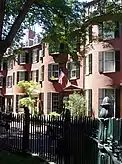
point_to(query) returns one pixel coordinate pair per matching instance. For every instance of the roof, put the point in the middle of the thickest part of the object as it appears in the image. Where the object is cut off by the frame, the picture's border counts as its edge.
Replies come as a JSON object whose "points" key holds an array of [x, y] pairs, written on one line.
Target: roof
{"points": [[72, 87]]}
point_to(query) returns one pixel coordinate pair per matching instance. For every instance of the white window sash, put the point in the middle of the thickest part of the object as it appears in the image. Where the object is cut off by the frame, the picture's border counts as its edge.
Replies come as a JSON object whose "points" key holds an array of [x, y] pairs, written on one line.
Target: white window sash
{"points": [[105, 62]]}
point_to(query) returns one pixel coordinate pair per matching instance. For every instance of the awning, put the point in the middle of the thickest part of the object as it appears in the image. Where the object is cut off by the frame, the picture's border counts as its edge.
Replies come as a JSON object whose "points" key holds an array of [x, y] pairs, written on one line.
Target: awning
{"points": [[72, 87]]}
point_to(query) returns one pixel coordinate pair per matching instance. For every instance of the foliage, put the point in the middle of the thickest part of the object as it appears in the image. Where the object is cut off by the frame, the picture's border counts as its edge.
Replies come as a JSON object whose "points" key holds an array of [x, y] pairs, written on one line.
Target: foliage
{"points": [[54, 115], [16, 15], [76, 104], [30, 88]]}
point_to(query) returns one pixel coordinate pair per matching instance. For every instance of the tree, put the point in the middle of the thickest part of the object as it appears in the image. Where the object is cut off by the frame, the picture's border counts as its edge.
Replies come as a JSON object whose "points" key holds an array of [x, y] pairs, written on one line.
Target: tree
{"points": [[76, 104], [30, 89], [15, 15]]}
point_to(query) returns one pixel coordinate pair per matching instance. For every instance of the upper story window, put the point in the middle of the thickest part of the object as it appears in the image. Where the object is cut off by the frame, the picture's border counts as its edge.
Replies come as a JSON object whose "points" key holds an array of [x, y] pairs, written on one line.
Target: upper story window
{"points": [[53, 71], [22, 58], [109, 30], [8, 81], [73, 70], [35, 75], [22, 75], [10, 64], [88, 64], [35, 56], [109, 61]]}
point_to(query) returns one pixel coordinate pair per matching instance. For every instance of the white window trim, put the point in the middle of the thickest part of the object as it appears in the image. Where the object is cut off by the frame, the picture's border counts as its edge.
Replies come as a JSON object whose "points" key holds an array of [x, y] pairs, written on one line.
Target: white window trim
{"points": [[34, 55], [23, 56], [104, 63], [53, 71]]}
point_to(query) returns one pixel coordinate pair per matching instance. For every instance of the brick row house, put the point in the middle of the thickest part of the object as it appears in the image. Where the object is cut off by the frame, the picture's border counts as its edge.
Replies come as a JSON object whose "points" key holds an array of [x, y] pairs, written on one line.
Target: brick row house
{"points": [[36, 63], [103, 60]]}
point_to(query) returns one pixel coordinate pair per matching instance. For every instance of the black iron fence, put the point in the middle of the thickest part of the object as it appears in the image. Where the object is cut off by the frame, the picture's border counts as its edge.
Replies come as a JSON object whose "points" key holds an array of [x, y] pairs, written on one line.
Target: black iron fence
{"points": [[78, 140]]}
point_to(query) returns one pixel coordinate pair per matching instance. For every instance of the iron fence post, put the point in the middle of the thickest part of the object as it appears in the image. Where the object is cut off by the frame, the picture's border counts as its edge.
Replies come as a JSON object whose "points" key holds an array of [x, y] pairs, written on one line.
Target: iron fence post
{"points": [[25, 142]]}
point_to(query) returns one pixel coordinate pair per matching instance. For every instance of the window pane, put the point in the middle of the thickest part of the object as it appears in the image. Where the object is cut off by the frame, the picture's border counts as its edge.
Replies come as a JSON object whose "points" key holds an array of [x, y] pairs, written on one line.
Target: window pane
{"points": [[109, 56], [109, 66]]}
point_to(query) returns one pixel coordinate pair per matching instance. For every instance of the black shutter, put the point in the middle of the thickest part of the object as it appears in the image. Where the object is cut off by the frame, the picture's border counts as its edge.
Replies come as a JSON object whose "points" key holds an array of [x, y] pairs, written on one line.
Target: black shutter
{"points": [[27, 57], [101, 62], [13, 78], [18, 59], [90, 33], [38, 55], [49, 71], [89, 102], [78, 69], [90, 63], [26, 76], [117, 33], [49, 102], [117, 103], [30, 57], [69, 70], [17, 77], [42, 73], [101, 30], [117, 61], [31, 75], [37, 75]]}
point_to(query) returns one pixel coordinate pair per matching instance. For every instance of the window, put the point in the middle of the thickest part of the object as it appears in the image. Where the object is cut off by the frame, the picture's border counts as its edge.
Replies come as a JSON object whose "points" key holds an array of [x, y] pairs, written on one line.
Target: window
{"points": [[74, 70], [22, 75], [114, 95], [89, 101], [19, 108], [109, 30], [35, 75], [55, 101], [10, 64], [109, 61], [1, 82], [52, 102], [88, 64], [9, 81], [35, 56], [23, 58], [53, 71]]}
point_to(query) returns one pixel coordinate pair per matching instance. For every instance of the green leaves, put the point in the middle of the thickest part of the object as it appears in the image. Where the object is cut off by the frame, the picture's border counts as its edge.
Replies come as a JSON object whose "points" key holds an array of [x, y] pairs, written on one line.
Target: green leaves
{"points": [[30, 88], [76, 104]]}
